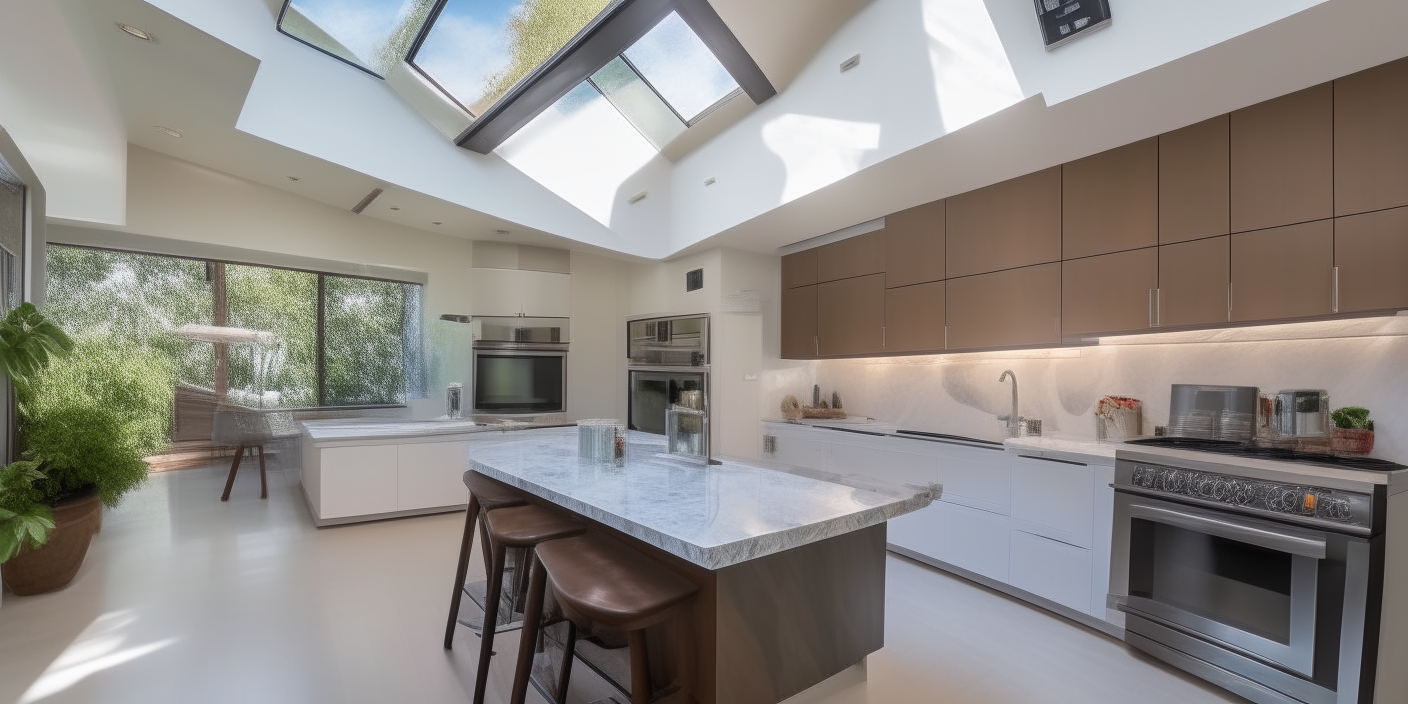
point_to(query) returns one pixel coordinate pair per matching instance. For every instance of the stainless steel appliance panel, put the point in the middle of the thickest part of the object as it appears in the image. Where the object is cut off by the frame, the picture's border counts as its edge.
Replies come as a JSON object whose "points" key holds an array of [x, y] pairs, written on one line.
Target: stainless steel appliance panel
{"points": [[669, 342]]}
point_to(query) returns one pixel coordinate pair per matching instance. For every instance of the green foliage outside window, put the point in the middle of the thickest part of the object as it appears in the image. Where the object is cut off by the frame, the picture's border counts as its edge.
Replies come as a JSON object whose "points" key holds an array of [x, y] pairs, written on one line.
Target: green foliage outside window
{"points": [[538, 29]]}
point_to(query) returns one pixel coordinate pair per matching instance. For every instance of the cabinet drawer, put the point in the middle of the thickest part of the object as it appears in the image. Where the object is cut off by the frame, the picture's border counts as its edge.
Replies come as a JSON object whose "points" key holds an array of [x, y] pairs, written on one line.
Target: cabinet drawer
{"points": [[861, 255], [978, 478], [1051, 569], [969, 538], [790, 448], [358, 481], [799, 318], [430, 475], [1013, 308], [851, 316], [1371, 251], [1054, 499]]}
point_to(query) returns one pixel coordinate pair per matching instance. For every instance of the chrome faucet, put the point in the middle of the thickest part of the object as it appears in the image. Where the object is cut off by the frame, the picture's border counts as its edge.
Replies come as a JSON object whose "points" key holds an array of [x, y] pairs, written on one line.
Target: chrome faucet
{"points": [[1014, 422]]}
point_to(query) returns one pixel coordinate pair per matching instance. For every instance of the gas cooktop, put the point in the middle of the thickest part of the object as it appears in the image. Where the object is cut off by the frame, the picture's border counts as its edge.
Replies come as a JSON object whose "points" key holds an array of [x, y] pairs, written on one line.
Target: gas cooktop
{"points": [[1279, 454]]}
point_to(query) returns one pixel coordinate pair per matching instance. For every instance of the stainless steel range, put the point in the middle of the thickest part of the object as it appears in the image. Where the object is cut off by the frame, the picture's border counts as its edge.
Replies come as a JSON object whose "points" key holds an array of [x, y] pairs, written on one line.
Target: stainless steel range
{"points": [[1263, 570]]}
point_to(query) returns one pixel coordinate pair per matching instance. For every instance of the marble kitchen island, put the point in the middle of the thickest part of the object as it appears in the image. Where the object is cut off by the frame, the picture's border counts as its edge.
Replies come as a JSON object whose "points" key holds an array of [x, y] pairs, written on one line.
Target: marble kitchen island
{"points": [[790, 568]]}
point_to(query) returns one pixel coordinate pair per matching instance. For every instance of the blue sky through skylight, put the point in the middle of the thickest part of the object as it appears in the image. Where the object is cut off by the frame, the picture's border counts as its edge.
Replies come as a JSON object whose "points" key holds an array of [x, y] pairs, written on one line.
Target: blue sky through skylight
{"points": [[363, 27], [675, 60]]}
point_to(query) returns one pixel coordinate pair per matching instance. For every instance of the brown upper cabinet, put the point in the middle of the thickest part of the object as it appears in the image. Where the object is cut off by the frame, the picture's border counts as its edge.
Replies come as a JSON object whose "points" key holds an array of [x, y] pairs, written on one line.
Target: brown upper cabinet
{"points": [[1012, 308], [1283, 160], [1371, 139], [861, 255], [799, 269], [1371, 251], [1110, 201], [914, 245], [799, 315], [1193, 279], [1283, 272], [1012, 224], [914, 318], [851, 315], [1193, 182], [1109, 293]]}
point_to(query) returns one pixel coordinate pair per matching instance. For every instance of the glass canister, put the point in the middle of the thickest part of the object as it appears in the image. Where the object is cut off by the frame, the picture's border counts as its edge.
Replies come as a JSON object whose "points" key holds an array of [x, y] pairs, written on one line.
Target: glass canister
{"points": [[453, 395], [1303, 413], [601, 439]]}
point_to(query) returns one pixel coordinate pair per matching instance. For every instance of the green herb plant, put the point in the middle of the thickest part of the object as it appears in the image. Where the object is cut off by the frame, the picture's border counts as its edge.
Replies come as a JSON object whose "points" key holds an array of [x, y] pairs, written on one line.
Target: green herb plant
{"points": [[24, 521], [1352, 418]]}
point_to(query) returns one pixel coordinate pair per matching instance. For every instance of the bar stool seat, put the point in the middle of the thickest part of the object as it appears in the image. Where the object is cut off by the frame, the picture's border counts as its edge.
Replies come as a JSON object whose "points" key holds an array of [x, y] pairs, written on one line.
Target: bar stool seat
{"points": [[528, 526], [599, 583], [485, 495], [611, 585]]}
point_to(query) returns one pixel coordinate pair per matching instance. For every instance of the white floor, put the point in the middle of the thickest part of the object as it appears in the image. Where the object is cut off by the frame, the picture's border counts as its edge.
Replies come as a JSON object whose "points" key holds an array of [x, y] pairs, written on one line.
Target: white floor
{"points": [[187, 600]]}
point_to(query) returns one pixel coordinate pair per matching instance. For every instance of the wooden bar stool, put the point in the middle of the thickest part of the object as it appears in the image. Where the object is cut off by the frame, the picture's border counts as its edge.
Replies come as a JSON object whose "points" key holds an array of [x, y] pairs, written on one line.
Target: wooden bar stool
{"points": [[599, 583], [518, 527], [485, 495], [246, 430]]}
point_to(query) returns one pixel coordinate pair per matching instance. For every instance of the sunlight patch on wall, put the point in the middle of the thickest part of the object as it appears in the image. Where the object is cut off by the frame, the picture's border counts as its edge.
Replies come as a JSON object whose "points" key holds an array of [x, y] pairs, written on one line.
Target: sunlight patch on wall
{"points": [[582, 149], [818, 151], [972, 75]]}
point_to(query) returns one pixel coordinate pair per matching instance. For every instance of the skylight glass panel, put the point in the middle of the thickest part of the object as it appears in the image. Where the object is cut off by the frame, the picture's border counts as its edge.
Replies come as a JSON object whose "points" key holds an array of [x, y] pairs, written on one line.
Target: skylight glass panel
{"points": [[477, 50], [372, 34], [681, 68], [624, 88]]}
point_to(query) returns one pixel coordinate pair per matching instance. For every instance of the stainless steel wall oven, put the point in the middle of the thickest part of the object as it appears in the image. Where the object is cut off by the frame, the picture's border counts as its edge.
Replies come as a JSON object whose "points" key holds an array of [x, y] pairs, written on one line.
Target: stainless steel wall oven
{"points": [[520, 366]]}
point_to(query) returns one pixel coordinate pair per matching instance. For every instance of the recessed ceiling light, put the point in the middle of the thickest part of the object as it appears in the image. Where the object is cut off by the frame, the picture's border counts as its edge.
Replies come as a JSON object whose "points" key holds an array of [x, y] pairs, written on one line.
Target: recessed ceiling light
{"points": [[295, 178], [436, 222], [133, 32], [395, 207], [501, 232], [168, 131]]}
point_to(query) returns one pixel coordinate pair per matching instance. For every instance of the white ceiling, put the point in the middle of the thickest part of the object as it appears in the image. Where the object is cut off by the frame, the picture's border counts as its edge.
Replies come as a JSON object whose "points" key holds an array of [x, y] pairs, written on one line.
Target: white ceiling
{"points": [[199, 84]]}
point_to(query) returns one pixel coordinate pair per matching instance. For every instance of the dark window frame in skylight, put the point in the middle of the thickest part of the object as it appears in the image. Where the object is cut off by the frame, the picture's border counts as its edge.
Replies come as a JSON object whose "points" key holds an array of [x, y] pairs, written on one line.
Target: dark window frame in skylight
{"points": [[601, 41], [279, 25]]}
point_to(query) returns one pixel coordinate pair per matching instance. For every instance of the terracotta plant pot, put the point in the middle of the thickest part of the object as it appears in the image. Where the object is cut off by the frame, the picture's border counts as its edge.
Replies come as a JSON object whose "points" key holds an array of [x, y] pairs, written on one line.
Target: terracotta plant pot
{"points": [[55, 563], [1352, 441]]}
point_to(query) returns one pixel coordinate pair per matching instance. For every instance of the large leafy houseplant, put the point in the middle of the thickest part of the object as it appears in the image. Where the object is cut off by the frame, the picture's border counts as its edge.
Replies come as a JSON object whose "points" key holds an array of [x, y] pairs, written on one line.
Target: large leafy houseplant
{"points": [[28, 341]]}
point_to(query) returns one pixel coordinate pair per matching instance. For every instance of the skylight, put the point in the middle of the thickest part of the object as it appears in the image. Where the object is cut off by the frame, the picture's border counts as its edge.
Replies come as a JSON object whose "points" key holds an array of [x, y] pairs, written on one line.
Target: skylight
{"points": [[681, 68], [373, 35], [477, 50]]}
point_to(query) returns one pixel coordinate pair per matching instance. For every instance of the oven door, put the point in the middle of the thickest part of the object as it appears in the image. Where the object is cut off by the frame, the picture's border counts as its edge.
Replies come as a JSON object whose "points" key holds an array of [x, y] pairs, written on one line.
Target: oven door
{"points": [[1245, 583], [653, 392]]}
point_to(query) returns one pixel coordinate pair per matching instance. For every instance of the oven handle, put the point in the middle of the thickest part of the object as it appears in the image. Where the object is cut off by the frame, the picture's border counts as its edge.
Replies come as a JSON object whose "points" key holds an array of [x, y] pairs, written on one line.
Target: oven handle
{"points": [[1223, 528]]}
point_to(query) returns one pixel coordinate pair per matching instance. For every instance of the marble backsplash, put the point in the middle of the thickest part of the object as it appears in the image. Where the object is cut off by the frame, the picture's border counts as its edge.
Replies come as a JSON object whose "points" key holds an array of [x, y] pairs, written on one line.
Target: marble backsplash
{"points": [[960, 393]]}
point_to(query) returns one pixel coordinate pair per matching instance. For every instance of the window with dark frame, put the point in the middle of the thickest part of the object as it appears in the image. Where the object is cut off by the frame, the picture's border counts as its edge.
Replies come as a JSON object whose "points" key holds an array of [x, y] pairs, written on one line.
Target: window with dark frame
{"points": [[339, 341], [506, 61]]}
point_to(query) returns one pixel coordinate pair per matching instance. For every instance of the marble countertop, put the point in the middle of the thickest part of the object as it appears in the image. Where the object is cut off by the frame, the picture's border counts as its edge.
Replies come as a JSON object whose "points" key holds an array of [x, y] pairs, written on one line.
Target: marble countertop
{"points": [[713, 516], [371, 429]]}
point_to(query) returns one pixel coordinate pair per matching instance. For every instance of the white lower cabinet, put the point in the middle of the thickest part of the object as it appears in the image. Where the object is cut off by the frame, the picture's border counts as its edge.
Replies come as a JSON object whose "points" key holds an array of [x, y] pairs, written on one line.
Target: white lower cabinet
{"points": [[431, 474], [1051, 569], [357, 481], [1053, 498], [976, 540]]}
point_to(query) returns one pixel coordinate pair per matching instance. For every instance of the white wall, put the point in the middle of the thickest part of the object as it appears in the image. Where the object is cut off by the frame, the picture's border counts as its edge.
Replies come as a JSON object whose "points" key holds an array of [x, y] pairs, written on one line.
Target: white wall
{"points": [[178, 200]]}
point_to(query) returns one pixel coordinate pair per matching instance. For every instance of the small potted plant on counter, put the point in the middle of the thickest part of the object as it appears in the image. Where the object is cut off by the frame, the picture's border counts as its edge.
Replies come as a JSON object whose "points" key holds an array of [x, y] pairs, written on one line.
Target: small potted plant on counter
{"points": [[1354, 432]]}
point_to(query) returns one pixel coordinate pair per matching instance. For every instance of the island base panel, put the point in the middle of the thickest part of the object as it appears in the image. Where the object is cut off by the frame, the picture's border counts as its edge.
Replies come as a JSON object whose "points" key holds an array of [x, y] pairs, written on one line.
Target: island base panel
{"points": [[757, 632], [789, 620]]}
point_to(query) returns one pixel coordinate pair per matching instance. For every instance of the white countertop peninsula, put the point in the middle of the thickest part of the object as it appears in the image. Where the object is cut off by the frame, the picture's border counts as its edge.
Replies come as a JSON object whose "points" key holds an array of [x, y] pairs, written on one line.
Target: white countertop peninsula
{"points": [[713, 516]]}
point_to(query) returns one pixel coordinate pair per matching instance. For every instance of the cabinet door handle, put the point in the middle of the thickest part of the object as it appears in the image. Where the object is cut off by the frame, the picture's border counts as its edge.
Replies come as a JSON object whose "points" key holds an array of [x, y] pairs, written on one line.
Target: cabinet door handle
{"points": [[883, 342], [1154, 307], [1334, 289], [1229, 301], [816, 345], [945, 335]]}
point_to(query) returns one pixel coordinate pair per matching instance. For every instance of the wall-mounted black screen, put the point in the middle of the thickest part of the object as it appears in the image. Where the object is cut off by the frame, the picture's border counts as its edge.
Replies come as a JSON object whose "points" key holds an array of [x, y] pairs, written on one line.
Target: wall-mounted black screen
{"points": [[1064, 20], [518, 383]]}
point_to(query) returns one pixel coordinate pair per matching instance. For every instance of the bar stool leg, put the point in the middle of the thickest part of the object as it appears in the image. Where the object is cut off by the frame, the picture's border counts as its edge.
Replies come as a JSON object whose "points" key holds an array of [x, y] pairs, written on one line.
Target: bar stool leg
{"points": [[471, 517], [234, 467], [567, 657], [263, 483], [528, 638], [491, 621], [640, 668]]}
